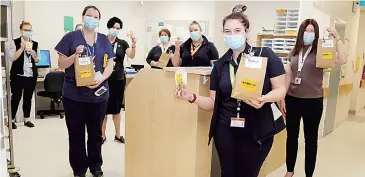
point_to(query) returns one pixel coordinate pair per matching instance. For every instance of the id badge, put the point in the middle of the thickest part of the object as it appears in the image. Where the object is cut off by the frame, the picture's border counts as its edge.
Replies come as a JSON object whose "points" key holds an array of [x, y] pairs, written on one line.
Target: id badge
{"points": [[297, 81], [238, 122], [28, 65], [98, 75]]}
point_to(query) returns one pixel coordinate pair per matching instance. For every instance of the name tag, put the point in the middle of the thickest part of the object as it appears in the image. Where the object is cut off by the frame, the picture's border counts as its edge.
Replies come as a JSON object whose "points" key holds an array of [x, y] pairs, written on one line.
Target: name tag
{"points": [[238, 122], [84, 61]]}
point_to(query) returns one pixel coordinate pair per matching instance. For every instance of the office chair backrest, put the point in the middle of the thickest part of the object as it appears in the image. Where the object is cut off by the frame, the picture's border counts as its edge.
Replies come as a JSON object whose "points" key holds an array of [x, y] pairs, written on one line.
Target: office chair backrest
{"points": [[54, 81]]}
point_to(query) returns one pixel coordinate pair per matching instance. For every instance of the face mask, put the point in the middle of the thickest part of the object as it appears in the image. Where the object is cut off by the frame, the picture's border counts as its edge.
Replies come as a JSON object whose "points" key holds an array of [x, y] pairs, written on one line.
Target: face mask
{"points": [[164, 39], [235, 42], [195, 36], [90, 23], [113, 32], [27, 34], [308, 37]]}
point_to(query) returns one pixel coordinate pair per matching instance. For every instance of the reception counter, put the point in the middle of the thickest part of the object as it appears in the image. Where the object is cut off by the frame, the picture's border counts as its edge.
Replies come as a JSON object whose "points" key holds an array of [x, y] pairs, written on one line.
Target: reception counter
{"points": [[169, 137]]}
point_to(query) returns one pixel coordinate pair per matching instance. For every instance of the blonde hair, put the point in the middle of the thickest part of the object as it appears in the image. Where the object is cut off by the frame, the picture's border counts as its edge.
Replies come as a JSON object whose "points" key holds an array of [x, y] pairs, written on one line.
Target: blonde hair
{"points": [[24, 23], [195, 23]]}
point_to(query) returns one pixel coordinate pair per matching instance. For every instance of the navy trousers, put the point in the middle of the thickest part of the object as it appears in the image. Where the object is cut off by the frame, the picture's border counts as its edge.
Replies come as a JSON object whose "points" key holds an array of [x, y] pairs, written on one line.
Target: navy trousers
{"points": [[239, 154], [79, 116]]}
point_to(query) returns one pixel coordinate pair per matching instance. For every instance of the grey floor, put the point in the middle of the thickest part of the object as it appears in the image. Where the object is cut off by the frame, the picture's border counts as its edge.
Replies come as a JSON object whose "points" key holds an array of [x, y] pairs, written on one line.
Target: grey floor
{"points": [[43, 151]]}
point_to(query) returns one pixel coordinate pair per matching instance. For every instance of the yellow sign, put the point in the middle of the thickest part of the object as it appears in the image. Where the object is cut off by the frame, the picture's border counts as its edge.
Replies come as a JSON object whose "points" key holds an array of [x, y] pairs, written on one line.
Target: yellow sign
{"points": [[85, 73], [281, 11], [291, 32], [249, 85], [179, 78], [327, 55], [105, 60], [130, 33]]}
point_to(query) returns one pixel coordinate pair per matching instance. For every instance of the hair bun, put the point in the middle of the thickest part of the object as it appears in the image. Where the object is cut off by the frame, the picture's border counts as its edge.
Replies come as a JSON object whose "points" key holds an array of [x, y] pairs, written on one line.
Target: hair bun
{"points": [[239, 8]]}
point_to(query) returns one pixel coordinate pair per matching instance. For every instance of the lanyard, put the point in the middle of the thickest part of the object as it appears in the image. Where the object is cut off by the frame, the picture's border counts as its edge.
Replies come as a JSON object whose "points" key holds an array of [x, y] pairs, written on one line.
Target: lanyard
{"points": [[233, 78], [192, 50], [89, 53], [302, 59], [164, 49]]}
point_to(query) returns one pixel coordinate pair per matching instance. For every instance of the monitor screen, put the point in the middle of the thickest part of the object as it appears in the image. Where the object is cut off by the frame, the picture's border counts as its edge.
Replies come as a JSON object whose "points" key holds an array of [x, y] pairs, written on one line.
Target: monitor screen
{"points": [[45, 61]]}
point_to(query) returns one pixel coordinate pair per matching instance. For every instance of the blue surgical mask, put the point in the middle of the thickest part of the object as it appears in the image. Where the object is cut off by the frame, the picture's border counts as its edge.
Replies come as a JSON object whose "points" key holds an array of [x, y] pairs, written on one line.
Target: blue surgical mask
{"points": [[27, 34], [113, 32], [164, 39], [195, 35], [91, 23], [308, 37], [235, 42]]}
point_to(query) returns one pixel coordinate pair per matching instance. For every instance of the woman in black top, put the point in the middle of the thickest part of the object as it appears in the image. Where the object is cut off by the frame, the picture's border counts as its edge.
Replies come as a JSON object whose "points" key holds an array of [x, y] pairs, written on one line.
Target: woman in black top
{"points": [[196, 51], [165, 46], [117, 79], [242, 149]]}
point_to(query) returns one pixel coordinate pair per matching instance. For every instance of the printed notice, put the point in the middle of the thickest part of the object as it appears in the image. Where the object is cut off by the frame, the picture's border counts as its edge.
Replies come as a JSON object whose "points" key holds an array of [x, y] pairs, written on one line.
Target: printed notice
{"points": [[328, 43], [253, 62], [249, 85], [85, 73], [327, 55], [84, 61]]}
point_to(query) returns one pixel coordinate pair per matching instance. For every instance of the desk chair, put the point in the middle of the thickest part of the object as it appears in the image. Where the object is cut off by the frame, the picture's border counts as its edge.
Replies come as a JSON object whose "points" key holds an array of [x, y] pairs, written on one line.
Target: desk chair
{"points": [[53, 84]]}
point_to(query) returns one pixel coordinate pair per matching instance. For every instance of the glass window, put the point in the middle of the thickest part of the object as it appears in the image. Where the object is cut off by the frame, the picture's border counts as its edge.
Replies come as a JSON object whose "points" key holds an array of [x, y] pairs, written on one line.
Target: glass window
{"points": [[3, 21], [2, 53]]}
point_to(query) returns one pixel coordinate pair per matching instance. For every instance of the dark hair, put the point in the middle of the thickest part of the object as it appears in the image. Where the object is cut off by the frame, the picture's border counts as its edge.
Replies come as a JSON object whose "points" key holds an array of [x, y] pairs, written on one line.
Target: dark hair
{"points": [[195, 23], [299, 44], [237, 14], [24, 23], [113, 21], [78, 26], [91, 7], [166, 31]]}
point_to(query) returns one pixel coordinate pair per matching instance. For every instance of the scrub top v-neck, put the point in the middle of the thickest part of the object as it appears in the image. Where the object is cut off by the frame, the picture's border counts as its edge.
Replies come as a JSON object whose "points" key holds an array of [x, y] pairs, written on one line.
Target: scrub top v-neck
{"points": [[102, 48]]}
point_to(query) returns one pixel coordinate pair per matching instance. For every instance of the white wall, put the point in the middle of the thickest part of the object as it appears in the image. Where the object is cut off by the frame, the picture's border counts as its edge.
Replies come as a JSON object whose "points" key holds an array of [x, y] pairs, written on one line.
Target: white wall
{"points": [[357, 102], [47, 18], [260, 13]]}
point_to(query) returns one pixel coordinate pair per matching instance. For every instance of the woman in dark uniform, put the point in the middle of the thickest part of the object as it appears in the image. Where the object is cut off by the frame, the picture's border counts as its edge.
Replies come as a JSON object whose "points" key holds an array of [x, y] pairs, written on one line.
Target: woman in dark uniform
{"points": [[117, 80], [165, 47], [84, 110], [196, 51], [241, 149], [305, 98]]}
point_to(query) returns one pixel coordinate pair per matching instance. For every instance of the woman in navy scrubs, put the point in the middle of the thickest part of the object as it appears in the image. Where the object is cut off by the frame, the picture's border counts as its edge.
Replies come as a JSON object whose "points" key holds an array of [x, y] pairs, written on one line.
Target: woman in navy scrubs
{"points": [[82, 107], [165, 47], [117, 80], [241, 150], [196, 51]]}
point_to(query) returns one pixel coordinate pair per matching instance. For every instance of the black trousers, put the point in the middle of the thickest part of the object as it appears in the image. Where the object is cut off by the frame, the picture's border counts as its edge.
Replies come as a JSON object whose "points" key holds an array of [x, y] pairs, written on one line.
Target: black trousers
{"points": [[239, 154], [311, 112], [116, 96], [78, 115], [22, 86]]}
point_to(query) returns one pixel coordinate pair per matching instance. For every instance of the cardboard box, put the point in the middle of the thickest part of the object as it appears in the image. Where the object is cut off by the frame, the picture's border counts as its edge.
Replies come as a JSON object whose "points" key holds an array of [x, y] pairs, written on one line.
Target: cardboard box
{"points": [[326, 53], [250, 78], [84, 71]]}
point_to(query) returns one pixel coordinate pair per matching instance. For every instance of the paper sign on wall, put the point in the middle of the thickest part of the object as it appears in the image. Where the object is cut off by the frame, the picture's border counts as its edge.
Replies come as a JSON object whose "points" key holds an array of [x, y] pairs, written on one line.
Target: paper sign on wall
{"points": [[68, 23]]}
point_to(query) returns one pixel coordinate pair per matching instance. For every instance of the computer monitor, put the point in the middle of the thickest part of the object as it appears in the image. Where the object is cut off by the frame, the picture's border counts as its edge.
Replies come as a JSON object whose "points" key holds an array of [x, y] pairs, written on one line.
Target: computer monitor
{"points": [[45, 61]]}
